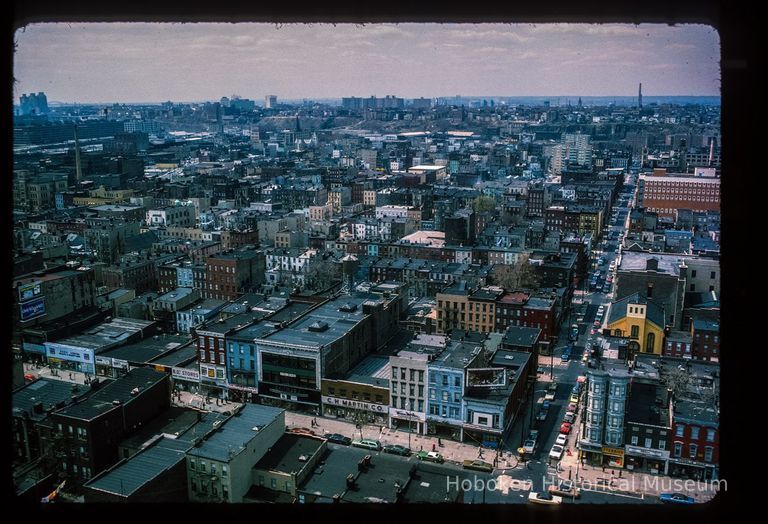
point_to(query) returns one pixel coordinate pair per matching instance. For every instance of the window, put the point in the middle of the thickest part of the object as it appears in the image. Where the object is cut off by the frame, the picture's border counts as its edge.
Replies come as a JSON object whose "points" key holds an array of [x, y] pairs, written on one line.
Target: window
{"points": [[224, 470], [394, 372], [402, 373], [192, 464], [662, 444], [649, 291], [693, 449], [394, 388], [193, 485], [712, 274], [273, 483], [394, 402], [421, 375], [634, 440], [708, 450], [432, 394], [457, 382], [694, 433], [445, 380], [202, 466], [402, 388], [634, 331], [411, 390], [710, 435], [648, 442], [482, 421], [421, 406], [421, 391]]}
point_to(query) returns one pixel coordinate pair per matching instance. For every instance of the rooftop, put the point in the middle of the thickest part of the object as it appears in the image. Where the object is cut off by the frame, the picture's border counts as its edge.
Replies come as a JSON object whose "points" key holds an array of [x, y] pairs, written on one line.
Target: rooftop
{"points": [[108, 334], [233, 435], [50, 393], [290, 453], [521, 336], [648, 404], [102, 400], [144, 351]]}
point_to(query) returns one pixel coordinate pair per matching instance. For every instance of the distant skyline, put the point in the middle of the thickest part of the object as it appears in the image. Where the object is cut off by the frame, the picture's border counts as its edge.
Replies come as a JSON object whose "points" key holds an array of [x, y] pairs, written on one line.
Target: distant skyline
{"points": [[153, 62]]}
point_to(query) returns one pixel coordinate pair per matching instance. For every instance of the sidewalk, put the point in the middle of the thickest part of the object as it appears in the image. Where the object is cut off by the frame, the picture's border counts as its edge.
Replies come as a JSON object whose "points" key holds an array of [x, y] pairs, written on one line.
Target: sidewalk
{"points": [[620, 479], [452, 451]]}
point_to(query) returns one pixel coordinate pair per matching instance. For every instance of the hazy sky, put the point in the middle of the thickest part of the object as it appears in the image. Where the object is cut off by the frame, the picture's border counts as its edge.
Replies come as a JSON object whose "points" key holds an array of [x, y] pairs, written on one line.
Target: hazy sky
{"points": [[142, 62]]}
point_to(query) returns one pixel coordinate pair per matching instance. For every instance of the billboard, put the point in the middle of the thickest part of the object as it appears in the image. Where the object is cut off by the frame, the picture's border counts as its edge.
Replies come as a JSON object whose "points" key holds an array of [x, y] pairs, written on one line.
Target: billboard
{"points": [[32, 309], [29, 291]]}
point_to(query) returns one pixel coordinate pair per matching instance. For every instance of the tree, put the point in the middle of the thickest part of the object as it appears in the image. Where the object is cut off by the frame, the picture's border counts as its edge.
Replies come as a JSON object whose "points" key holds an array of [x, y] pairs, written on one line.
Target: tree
{"points": [[323, 273], [483, 203], [678, 380], [517, 276]]}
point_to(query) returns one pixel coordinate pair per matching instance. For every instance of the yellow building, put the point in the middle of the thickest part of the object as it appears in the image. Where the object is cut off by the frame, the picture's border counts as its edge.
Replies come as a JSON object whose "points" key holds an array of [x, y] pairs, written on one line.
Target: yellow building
{"points": [[639, 319]]}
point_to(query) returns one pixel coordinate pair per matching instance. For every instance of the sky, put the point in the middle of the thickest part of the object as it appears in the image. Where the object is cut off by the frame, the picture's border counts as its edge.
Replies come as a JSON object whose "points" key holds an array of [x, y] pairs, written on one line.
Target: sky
{"points": [[155, 62]]}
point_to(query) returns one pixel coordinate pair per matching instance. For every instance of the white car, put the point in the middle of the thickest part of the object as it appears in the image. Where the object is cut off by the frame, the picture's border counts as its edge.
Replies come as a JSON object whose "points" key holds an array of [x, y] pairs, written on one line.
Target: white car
{"points": [[561, 439], [544, 498], [556, 452]]}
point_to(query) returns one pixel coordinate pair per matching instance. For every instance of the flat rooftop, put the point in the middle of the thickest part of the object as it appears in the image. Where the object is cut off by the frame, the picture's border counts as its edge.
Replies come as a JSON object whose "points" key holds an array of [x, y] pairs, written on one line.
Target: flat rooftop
{"points": [[148, 349], [290, 453], [236, 432]]}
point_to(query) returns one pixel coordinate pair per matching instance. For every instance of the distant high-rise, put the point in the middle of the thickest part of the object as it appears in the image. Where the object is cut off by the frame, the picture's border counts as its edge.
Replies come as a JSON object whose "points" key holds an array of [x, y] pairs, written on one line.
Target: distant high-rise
{"points": [[33, 104], [640, 96], [270, 101]]}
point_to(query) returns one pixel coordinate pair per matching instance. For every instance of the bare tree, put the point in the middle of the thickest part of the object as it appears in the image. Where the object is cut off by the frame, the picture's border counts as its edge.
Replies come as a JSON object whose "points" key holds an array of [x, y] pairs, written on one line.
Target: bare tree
{"points": [[323, 274], [517, 276], [678, 380]]}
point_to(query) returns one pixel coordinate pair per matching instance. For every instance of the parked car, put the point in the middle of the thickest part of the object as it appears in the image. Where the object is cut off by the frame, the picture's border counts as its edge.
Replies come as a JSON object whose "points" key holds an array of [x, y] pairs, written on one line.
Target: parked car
{"points": [[529, 446], [336, 438], [397, 449], [544, 498], [565, 489], [574, 398], [550, 394], [565, 428], [477, 465], [367, 444], [430, 456], [561, 439], [573, 407], [676, 498], [569, 417]]}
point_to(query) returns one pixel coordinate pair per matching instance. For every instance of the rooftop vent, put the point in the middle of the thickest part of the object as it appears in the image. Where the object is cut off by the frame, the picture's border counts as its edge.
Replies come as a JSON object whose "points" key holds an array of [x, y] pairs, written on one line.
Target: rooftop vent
{"points": [[318, 326], [134, 392], [348, 308]]}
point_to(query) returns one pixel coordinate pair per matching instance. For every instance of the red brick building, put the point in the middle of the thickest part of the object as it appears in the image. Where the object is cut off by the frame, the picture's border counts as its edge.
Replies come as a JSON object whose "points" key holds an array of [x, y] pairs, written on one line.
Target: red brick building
{"points": [[231, 273], [665, 193], [705, 337], [695, 440]]}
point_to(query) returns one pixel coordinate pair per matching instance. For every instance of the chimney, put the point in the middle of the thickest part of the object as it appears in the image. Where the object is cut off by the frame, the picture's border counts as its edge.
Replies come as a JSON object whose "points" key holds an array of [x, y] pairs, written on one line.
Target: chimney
{"points": [[350, 480]]}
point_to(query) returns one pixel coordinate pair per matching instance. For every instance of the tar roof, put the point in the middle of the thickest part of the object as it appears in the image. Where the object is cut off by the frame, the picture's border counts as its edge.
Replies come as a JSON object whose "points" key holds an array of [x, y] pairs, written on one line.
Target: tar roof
{"points": [[521, 336], [47, 391], [177, 357], [173, 421], [232, 436], [329, 477], [107, 334], [695, 411], [636, 261], [148, 349], [290, 453], [380, 480], [130, 475], [456, 355], [101, 401]]}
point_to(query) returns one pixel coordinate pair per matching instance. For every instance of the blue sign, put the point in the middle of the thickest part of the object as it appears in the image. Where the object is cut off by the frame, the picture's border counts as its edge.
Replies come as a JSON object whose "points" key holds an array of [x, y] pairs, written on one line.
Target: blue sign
{"points": [[32, 309]]}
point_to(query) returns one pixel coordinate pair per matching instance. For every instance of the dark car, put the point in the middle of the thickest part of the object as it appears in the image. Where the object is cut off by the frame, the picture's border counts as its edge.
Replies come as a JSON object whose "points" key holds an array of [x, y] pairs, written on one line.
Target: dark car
{"points": [[676, 498], [338, 439], [478, 465], [397, 449]]}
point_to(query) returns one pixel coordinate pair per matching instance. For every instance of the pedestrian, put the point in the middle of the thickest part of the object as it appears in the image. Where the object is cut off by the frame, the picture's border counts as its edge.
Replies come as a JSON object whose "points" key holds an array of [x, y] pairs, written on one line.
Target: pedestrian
{"points": [[603, 468], [440, 442], [433, 447]]}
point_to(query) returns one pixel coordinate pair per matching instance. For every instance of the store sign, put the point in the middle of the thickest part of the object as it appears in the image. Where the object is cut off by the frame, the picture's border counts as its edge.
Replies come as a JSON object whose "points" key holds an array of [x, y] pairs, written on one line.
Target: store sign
{"points": [[186, 374], [104, 361], [407, 415], [355, 404], [647, 452], [119, 364], [613, 452], [73, 354], [29, 291], [32, 309], [247, 389], [29, 347]]}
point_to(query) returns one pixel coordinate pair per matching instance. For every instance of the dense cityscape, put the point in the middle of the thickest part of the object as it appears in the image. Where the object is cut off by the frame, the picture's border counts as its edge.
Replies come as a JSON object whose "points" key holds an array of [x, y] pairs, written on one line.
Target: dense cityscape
{"points": [[264, 301]]}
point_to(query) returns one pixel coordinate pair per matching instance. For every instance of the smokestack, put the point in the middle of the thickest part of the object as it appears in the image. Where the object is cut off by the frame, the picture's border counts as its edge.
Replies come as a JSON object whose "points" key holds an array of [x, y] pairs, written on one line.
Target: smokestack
{"points": [[78, 168], [640, 96], [711, 150]]}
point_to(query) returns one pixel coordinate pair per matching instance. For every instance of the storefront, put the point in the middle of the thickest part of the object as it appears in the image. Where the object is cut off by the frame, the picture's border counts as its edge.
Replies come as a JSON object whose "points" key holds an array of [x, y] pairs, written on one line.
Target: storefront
{"points": [[238, 393], [654, 461], [355, 410], [446, 430], [613, 457], [213, 381], [186, 379], [70, 358], [591, 455], [691, 469], [408, 420]]}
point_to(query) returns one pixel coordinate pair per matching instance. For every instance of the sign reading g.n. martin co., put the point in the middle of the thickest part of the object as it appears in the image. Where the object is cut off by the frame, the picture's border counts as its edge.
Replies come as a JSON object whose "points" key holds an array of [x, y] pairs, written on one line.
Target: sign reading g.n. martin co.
{"points": [[355, 404]]}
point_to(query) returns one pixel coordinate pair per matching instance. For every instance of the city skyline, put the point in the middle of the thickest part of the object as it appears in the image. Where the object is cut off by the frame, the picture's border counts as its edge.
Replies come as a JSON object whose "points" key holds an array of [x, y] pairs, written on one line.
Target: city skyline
{"points": [[108, 61]]}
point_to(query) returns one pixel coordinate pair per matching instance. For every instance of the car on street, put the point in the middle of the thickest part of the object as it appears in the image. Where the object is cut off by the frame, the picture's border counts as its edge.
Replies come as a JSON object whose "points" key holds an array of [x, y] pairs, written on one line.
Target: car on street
{"points": [[676, 498], [544, 498], [430, 456], [551, 390], [569, 417], [573, 407], [561, 439], [366, 443], [477, 465], [596, 323], [565, 488], [540, 370], [529, 446], [397, 449], [336, 438], [565, 357], [574, 397], [565, 428]]}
